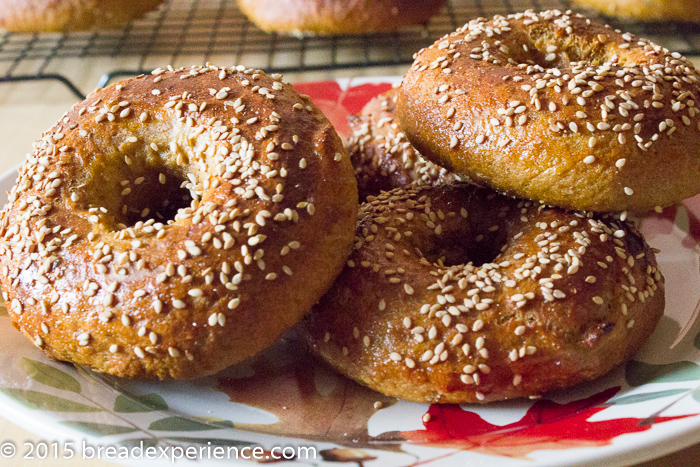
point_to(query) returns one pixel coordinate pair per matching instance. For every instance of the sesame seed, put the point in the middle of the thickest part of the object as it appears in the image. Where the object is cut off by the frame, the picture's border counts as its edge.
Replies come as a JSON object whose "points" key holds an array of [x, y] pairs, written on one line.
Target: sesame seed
{"points": [[212, 319]]}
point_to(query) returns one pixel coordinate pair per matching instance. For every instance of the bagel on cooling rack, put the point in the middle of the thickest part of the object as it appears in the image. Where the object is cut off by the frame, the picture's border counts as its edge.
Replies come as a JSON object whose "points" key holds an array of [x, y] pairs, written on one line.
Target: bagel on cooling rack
{"points": [[456, 294], [174, 224], [70, 15], [325, 17], [552, 107], [382, 156], [647, 10]]}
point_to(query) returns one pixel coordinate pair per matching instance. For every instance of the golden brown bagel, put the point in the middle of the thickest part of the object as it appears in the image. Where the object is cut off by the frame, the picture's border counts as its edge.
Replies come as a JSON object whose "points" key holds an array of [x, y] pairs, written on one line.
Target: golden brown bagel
{"points": [[382, 156], [647, 10], [70, 15], [304, 17], [561, 297], [104, 264], [551, 107]]}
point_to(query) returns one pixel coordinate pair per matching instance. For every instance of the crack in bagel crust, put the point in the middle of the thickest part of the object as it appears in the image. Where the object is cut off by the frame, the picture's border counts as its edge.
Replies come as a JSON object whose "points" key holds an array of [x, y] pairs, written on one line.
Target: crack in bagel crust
{"points": [[553, 107], [95, 273], [561, 297]]}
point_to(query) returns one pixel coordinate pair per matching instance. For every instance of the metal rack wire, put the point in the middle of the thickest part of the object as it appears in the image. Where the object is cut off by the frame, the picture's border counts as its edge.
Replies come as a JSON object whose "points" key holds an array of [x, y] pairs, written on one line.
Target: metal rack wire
{"points": [[216, 28]]}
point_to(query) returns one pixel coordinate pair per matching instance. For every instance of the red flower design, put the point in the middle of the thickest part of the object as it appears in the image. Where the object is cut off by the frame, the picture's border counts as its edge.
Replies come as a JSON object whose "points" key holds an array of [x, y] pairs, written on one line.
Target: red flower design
{"points": [[337, 104], [546, 425]]}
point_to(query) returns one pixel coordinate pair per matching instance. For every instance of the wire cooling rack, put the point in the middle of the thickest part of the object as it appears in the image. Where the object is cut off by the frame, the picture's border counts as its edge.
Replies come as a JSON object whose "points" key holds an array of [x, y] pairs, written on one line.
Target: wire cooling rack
{"points": [[203, 29]]}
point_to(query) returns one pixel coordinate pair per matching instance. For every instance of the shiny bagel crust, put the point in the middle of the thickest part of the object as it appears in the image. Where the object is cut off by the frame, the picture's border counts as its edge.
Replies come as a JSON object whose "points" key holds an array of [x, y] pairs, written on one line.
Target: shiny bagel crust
{"points": [[70, 15], [382, 156], [646, 10], [562, 297], [94, 276], [555, 108], [326, 17]]}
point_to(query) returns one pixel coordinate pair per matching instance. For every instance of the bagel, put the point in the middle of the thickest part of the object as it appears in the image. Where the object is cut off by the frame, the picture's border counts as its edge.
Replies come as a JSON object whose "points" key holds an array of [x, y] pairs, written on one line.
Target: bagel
{"points": [[456, 294], [29, 16], [325, 17], [647, 10], [382, 156], [555, 108], [173, 224]]}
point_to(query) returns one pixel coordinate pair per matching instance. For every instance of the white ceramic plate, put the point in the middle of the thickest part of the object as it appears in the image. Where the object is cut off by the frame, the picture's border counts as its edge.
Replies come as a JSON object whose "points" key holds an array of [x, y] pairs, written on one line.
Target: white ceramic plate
{"points": [[283, 398]]}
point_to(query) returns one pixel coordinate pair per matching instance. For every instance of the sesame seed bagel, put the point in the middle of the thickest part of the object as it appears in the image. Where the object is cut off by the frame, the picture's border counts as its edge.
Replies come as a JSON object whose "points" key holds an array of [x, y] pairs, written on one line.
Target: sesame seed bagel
{"points": [[70, 15], [555, 108], [647, 10], [325, 17], [457, 294], [174, 224], [382, 156]]}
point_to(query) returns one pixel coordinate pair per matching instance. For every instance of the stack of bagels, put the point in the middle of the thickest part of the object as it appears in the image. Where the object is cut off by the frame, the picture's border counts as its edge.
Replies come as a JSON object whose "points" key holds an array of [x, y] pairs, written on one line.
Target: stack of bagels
{"points": [[529, 278], [174, 224]]}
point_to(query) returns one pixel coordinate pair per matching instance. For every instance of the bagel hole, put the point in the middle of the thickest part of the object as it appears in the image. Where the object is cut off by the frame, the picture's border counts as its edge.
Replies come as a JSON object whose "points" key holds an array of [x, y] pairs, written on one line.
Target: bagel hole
{"points": [[136, 193], [156, 193], [548, 49]]}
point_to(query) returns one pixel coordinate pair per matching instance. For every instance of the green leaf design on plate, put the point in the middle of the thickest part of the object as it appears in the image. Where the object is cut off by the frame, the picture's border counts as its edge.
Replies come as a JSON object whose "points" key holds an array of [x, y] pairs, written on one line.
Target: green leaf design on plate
{"points": [[638, 373], [145, 403], [49, 375], [40, 401], [99, 429], [187, 424], [647, 396], [216, 421]]}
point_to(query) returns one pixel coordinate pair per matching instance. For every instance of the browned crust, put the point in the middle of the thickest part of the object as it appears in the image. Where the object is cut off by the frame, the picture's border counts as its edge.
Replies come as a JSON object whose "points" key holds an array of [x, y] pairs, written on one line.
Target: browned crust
{"points": [[649, 122], [382, 155], [274, 223], [647, 10], [301, 17], [70, 15], [569, 297]]}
